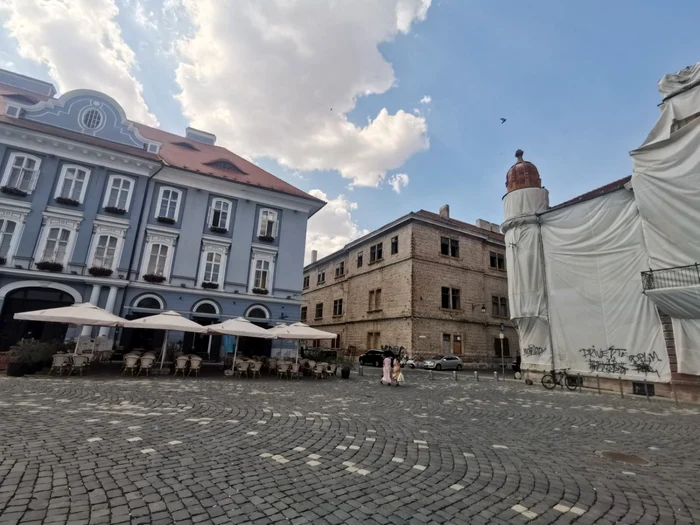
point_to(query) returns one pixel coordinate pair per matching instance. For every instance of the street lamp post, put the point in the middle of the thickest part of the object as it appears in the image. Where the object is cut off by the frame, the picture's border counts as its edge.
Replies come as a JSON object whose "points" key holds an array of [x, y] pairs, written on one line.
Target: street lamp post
{"points": [[501, 336]]}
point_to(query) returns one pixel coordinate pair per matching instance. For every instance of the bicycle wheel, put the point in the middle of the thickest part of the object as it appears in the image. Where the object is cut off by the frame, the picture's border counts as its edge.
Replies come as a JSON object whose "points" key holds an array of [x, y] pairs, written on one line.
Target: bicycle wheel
{"points": [[548, 381], [571, 382]]}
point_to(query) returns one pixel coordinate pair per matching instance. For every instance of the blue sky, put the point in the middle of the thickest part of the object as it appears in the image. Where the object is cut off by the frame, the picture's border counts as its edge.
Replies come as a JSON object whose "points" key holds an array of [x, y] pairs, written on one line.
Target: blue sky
{"points": [[576, 82]]}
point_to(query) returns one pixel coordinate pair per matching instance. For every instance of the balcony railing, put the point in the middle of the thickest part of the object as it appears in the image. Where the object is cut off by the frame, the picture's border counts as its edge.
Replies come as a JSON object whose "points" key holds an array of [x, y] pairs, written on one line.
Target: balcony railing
{"points": [[671, 277]]}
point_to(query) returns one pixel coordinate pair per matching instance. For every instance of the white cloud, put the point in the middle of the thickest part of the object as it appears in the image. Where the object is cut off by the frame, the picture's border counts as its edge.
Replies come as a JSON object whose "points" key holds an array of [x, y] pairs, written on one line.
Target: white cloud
{"points": [[332, 227], [398, 181], [80, 43], [427, 99], [277, 79], [143, 18]]}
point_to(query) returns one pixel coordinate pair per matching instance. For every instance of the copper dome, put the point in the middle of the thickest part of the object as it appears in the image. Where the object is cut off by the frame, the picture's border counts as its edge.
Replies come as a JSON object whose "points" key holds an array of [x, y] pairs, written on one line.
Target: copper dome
{"points": [[522, 174]]}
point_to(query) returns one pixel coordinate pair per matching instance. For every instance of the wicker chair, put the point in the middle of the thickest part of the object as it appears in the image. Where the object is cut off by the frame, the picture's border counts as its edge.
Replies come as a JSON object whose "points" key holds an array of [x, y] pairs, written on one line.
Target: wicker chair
{"points": [[59, 362], [295, 371], [146, 364], [319, 371], [79, 363], [272, 366], [195, 366], [242, 368], [283, 369], [330, 371], [130, 363], [181, 365], [255, 369]]}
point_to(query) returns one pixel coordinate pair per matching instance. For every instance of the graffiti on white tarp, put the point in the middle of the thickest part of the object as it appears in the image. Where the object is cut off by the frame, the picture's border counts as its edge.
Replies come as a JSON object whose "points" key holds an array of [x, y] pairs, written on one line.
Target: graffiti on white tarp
{"points": [[532, 350], [618, 361]]}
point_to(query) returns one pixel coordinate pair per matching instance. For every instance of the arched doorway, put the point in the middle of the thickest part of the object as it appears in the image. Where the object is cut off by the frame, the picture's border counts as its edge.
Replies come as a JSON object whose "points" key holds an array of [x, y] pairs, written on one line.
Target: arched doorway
{"points": [[208, 347], [143, 306], [25, 300], [250, 346]]}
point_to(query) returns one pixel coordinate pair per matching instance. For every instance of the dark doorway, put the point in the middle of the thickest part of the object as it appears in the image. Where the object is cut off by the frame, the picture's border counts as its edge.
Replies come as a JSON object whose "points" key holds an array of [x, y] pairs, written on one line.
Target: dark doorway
{"points": [[199, 343], [250, 346], [138, 337], [26, 300]]}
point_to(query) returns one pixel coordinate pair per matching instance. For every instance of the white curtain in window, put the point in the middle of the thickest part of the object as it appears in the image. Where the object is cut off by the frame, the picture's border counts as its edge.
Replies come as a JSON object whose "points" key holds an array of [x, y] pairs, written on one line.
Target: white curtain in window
{"points": [[73, 181], [268, 224], [157, 259], [56, 245], [7, 229], [219, 213], [168, 204], [119, 193], [262, 269], [22, 173], [105, 251], [212, 267]]}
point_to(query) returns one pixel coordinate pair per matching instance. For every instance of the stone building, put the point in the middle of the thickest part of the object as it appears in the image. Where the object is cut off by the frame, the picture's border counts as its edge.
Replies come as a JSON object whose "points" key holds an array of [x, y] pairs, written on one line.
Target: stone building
{"points": [[607, 284], [97, 208], [425, 281]]}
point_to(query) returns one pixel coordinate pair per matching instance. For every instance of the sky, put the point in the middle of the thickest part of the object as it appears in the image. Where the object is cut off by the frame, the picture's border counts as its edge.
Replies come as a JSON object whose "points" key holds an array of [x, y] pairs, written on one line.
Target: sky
{"points": [[378, 107]]}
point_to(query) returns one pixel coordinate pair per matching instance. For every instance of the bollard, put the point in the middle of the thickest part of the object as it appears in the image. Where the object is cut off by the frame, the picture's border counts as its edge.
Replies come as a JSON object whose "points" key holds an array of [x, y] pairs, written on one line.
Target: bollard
{"points": [[495, 375], [597, 380], [622, 394], [454, 374], [476, 375], [430, 374], [580, 384], [646, 390], [361, 371]]}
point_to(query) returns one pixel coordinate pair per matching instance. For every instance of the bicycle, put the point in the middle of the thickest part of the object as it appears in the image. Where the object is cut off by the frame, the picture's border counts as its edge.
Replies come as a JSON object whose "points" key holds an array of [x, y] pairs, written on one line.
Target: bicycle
{"points": [[561, 378]]}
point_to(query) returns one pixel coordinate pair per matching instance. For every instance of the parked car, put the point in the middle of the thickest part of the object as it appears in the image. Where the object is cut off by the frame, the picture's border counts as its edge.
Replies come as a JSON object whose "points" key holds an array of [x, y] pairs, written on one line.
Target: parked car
{"points": [[412, 363], [372, 358], [443, 362]]}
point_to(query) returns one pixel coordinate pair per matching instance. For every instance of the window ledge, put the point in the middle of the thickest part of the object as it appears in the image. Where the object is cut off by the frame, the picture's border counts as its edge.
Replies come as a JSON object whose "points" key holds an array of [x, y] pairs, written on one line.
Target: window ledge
{"points": [[318, 318], [374, 311], [337, 315], [341, 276], [375, 261], [451, 309], [455, 257]]}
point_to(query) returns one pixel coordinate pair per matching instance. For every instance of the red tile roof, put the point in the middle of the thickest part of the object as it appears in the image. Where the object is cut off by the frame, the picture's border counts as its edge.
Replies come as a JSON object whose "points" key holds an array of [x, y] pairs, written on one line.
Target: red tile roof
{"points": [[598, 192], [194, 161], [459, 224]]}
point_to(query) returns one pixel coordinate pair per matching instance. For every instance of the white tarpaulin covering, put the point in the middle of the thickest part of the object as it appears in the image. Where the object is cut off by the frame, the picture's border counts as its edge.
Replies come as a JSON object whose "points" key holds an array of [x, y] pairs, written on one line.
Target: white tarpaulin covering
{"points": [[686, 333], [535, 348], [681, 303], [601, 322]]}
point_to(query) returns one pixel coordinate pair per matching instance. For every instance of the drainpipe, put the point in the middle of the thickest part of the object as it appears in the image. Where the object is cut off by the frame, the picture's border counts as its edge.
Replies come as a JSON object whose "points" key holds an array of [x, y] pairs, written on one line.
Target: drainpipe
{"points": [[138, 229]]}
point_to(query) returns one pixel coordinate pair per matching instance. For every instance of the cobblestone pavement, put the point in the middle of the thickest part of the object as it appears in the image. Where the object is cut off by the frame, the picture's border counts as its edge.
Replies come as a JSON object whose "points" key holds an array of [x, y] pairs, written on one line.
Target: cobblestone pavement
{"points": [[112, 450]]}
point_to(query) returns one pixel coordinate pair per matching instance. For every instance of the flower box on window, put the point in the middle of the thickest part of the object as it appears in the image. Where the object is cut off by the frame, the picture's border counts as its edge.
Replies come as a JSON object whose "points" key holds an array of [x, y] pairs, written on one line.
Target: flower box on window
{"points": [[97, 271], [49, 266], [67, 201], [13, 191], [166, 220], [210, 286], [261, 291], [115, 210], [3, 260], [153, 278], [218, 229], [266, 238]]}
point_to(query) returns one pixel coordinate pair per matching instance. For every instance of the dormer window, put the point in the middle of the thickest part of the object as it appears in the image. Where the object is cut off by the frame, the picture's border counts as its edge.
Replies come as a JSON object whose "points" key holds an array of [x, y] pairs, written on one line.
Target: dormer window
{"points": [[185, 145], [224, 164], [267, 225], [92, 119]]}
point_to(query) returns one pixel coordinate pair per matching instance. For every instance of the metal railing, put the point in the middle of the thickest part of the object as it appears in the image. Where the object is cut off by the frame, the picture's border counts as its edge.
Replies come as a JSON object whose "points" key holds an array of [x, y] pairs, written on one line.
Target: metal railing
{"points": [[671, 277]]}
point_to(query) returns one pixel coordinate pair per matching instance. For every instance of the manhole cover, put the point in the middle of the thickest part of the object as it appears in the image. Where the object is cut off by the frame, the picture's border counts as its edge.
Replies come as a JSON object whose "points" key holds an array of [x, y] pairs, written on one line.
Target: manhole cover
{"points": [[621, 457]]}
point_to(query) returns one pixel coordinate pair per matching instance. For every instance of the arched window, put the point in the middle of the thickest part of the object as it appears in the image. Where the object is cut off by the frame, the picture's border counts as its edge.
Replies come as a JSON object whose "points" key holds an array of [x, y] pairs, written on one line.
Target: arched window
{"points": [[152, 302], [72, 184], [220, 214], [168, 204], [21, 173], [257, 312], [206, 308]]}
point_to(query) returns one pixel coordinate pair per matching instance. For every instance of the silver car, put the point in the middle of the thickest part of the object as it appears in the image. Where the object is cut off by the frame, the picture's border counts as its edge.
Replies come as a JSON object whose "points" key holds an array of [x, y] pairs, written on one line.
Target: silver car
{"points": [[443, 362]]}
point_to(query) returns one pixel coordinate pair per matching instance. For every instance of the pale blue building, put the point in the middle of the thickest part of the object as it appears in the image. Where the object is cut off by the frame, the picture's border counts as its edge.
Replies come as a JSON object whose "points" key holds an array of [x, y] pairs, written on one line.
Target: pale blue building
{"points": [[96, 208]]}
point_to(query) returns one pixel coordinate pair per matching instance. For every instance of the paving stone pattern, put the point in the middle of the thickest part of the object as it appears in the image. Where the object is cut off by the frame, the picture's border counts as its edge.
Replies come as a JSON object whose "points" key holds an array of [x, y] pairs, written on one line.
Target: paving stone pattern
{"points": [[111, 450]]}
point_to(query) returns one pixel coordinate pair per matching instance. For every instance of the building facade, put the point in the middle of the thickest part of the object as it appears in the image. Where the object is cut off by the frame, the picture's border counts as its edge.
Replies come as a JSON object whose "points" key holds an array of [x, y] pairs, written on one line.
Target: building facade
{"points": [[607, 284], [96, 208], [425, 282]]}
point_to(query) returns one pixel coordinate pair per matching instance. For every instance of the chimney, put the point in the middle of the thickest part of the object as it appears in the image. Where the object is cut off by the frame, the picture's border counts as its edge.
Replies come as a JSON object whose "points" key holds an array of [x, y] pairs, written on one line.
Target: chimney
{"points": [[314, 256], [200, 136], [445, 211]]}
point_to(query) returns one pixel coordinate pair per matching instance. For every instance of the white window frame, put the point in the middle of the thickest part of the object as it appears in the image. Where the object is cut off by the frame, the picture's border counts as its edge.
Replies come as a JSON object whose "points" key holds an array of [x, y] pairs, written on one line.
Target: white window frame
{"points": [[158, 238], [99, 231], [259, 255], [228, 214], [16, 214], [62, 180], [275, 230], [10, 165], [50, 222], [13, 240], [162, 190], [207, 248], [110, 181]]}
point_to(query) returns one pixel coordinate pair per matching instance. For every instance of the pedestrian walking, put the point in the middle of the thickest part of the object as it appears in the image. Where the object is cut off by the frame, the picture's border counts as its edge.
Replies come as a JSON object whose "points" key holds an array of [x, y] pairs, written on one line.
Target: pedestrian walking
{"points": [[386, 370], [396, 372]]}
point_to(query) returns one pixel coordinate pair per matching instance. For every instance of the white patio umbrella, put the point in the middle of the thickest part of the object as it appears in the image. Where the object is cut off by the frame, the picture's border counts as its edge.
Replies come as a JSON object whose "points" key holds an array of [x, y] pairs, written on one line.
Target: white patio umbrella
{"points": [[83, 314], [299, 332], [239, 327], [166, 321]]}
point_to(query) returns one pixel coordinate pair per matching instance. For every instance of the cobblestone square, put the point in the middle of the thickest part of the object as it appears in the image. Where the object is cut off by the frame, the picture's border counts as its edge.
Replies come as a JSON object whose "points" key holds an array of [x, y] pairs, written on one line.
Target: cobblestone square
{"points": [[117, 450]]}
